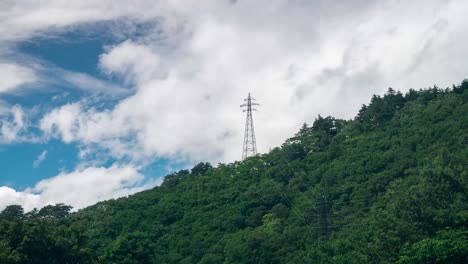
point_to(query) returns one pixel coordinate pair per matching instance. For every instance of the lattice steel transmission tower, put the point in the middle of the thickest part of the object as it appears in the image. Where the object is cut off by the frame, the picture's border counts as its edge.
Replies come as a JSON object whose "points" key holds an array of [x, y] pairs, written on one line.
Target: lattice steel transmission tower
{"points": [[324, 216], [250, 144]]}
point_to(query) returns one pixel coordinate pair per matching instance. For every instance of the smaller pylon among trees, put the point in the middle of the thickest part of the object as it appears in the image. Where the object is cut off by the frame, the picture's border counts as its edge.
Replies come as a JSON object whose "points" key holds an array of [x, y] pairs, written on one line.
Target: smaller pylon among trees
{"points": [[250, 144], [324, 216]]}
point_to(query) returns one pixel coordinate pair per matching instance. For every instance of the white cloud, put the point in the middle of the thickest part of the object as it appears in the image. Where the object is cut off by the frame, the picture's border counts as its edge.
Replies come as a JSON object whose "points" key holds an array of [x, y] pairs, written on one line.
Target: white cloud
{"points": [[13, 76], [61, 122], [24, 20], [299, 59], [9, 196], [12, 125], [130, 60], [21, 19], [90, 84], [78, 188], [192, 70], [40, 159]]}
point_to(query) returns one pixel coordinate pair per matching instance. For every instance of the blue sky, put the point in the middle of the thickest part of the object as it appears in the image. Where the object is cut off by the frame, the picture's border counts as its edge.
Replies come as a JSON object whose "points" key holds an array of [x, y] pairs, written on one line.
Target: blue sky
{"points": [[106, 97], [75, 50]]}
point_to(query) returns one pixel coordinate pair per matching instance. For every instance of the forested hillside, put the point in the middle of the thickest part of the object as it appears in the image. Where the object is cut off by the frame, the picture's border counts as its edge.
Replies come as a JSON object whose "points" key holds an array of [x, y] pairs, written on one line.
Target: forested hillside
{"points": [[389, 186]]}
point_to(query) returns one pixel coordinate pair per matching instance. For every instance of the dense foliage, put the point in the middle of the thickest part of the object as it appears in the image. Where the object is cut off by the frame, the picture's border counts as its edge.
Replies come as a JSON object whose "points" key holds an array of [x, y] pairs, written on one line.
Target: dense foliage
{"points": [[389, 186]]}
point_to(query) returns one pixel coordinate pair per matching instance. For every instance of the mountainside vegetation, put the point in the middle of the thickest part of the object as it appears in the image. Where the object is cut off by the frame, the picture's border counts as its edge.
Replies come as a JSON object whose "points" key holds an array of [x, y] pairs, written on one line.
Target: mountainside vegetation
{"points": [[389, 186]]}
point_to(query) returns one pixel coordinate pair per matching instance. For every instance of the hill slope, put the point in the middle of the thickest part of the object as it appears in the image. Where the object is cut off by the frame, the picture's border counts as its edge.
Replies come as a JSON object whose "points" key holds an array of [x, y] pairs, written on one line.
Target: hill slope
{"points": [[389, 186]]}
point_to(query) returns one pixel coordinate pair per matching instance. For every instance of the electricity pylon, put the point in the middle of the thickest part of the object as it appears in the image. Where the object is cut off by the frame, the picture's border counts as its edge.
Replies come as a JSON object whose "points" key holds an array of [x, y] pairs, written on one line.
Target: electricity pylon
{"points": [[324, 216], [250, 144]]}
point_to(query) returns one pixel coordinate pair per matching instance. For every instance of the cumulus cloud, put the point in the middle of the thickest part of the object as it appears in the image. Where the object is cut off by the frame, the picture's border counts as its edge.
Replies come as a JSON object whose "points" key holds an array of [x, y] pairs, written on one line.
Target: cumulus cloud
{"points": [[130, 60], [61, 122], [12, 126], [299, 59], [198, 60], [78, 188], [9, 196]]}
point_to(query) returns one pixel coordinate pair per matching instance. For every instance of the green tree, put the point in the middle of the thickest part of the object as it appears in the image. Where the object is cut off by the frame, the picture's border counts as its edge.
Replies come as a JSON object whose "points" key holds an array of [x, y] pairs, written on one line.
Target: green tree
{"points": [[12, 212]]}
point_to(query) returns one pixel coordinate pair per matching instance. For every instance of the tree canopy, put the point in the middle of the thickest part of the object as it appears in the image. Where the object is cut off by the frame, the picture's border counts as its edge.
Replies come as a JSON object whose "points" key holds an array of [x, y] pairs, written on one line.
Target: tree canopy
{"points": [[389, 186]]}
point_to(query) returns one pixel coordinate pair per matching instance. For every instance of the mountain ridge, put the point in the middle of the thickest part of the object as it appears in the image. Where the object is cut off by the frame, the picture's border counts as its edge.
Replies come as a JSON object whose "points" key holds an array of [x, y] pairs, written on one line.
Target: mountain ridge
{"points": [[388, 186]]}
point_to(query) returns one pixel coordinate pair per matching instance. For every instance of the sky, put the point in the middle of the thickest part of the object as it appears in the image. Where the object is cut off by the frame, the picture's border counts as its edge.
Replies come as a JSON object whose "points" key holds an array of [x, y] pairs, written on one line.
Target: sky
{"points": [[101, 99]]}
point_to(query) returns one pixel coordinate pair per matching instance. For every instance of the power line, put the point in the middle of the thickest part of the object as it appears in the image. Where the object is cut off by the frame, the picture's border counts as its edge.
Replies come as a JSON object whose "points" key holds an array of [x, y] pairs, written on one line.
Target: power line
{"points": [[324, 206], [325, 212]]}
